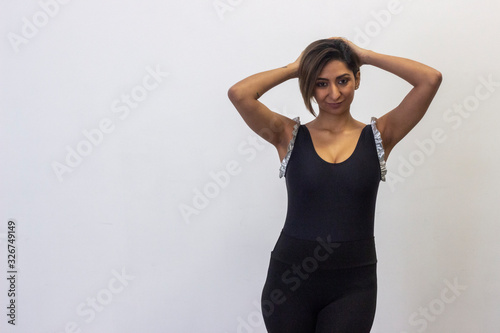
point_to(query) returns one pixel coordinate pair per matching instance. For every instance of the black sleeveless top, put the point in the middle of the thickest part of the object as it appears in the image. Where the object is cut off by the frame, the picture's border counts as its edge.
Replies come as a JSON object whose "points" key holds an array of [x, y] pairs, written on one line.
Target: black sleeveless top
{"points": [[332, 200]]}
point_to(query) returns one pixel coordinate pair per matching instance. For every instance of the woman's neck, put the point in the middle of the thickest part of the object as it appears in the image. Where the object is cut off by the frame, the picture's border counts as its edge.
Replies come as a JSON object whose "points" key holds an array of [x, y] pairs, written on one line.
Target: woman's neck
{"points": [[334, 123]]}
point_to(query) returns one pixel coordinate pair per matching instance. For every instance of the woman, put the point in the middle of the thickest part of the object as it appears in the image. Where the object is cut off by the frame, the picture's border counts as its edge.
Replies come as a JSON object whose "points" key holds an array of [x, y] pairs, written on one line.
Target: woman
{"points": [[322, 273]]}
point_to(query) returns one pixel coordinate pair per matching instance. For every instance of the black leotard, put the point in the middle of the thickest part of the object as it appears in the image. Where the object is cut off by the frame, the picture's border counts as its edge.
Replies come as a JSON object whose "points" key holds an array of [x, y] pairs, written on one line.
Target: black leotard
{"points": [[322, 271], [336, 199]]}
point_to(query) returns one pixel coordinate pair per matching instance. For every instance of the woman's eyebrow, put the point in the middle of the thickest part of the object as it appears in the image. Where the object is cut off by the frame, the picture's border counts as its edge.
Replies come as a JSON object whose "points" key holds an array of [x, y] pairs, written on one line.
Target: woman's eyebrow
{"points": [[338, 77]]}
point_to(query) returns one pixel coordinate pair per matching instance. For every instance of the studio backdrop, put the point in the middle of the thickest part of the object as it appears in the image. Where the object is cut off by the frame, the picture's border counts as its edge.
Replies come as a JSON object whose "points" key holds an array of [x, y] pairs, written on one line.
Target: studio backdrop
{"points": [[134, 198]]}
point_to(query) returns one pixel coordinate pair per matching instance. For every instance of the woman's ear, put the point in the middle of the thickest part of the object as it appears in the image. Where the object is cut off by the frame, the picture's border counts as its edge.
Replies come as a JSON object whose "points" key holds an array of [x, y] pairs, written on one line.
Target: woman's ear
{"points": [[357, 80]]}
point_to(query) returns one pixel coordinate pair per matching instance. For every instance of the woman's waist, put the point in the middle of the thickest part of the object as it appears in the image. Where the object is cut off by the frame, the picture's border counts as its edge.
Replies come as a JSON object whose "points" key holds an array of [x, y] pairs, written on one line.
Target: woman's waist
{"points": [[324, 253], [338, 228]]}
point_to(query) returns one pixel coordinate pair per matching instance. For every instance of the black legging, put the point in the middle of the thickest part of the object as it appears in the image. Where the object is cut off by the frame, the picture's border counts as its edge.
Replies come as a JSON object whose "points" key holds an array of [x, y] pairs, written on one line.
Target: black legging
{"points": [[307, 297]]}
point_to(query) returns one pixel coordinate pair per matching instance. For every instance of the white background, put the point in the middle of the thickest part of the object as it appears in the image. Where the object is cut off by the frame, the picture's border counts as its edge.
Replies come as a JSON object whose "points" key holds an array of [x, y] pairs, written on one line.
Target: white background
{"points": [[119, 210]]}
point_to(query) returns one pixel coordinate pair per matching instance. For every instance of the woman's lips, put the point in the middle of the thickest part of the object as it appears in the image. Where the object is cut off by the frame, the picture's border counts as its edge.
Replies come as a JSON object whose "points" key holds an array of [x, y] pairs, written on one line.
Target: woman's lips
{"points": [[334, 105]]}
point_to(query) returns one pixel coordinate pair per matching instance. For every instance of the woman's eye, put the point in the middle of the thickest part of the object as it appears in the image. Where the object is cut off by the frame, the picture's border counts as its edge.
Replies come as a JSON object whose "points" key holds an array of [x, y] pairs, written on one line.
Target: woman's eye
{"points": [[321, 84], [343, 81]]}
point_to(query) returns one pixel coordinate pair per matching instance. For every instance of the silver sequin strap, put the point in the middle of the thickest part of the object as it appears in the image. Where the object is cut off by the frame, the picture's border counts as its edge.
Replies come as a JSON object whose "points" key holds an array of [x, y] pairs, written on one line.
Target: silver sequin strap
{"points": [[284, 163], [380, 148]]}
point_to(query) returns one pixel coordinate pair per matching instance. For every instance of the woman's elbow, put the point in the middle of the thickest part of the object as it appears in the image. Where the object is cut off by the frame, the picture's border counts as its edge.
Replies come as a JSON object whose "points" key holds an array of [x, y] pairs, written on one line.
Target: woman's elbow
{"points": [[432, 80], [234, 94], [436, 78]]}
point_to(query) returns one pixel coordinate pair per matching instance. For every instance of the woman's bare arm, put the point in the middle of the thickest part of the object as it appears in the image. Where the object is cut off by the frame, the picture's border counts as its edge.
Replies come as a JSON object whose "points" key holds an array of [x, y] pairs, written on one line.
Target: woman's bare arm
{"points": [[270, 125], [395, 124]]}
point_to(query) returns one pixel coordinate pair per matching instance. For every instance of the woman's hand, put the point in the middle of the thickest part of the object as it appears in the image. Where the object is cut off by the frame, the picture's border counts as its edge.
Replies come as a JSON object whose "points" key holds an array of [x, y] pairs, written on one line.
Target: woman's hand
{"points": [[295, 65], [360, 52]]}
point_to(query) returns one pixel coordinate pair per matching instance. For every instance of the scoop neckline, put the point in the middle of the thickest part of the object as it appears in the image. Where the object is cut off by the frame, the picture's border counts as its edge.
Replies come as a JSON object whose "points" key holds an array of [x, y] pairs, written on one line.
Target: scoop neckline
{"points": [[330, 163]]}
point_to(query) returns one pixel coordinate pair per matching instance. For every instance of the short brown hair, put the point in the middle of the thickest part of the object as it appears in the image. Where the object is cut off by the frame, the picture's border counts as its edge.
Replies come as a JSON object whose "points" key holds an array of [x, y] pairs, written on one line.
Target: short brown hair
{"points": [[315, 57]]}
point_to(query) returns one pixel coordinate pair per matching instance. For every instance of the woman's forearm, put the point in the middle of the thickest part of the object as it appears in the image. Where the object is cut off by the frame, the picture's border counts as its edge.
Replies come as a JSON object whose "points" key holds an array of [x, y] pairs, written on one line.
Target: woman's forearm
{"points": [[256, 85], [412, 71]]}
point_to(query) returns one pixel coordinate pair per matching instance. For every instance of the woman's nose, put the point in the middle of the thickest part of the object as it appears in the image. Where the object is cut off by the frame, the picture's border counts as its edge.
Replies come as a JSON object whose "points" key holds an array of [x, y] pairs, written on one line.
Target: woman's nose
{"points": [[334, 92]]}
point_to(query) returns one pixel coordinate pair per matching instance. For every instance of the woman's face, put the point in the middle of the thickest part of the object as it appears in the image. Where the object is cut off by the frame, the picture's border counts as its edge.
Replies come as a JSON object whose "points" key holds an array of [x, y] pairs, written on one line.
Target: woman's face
{"points": [[334, 87]]}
